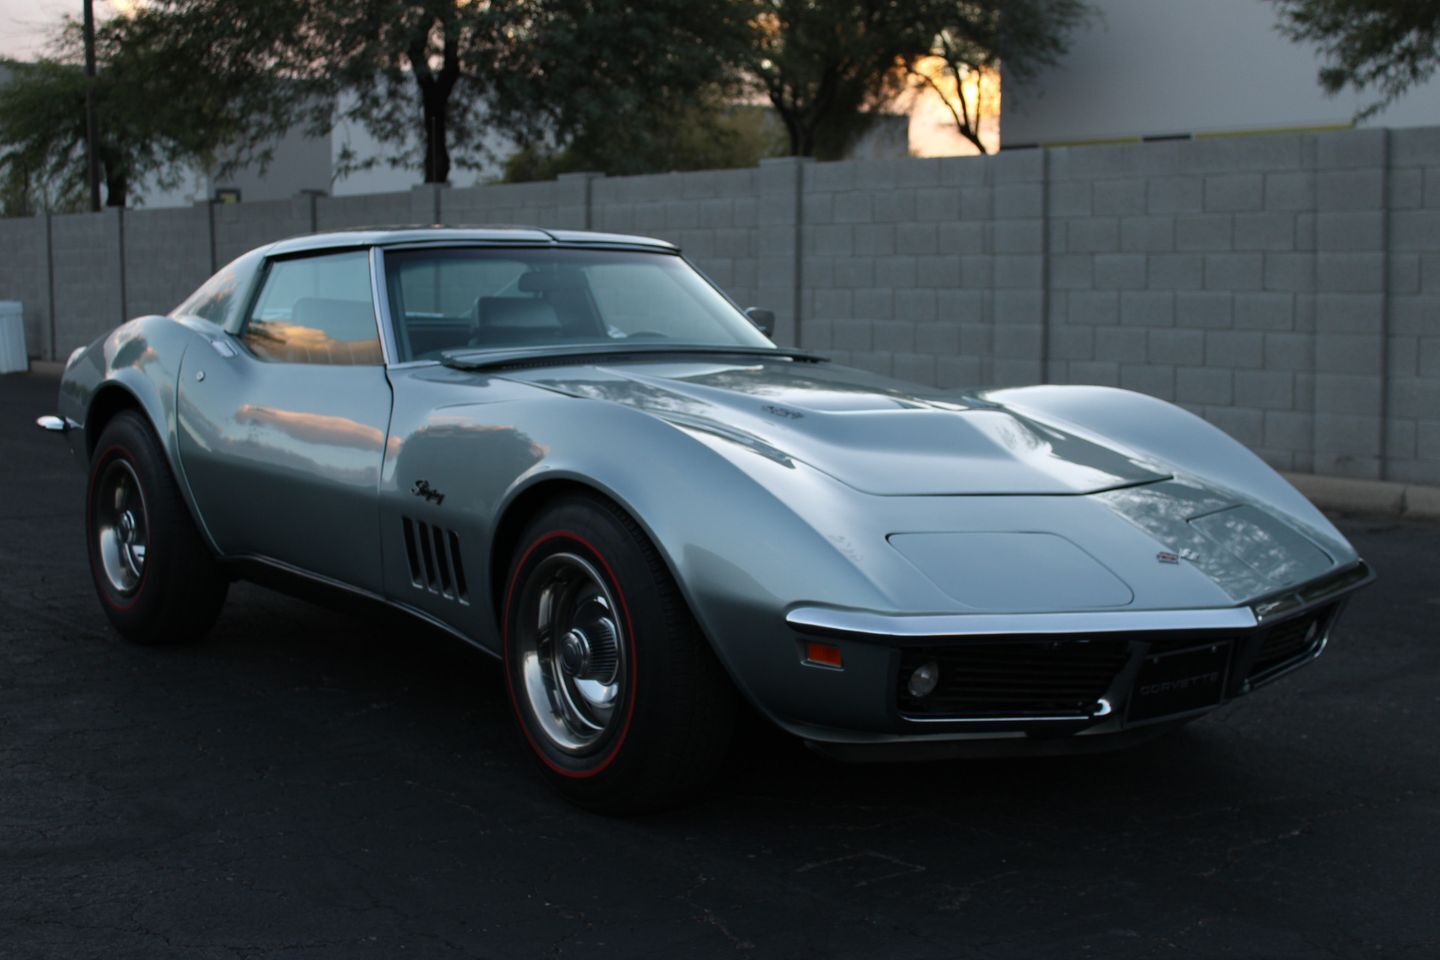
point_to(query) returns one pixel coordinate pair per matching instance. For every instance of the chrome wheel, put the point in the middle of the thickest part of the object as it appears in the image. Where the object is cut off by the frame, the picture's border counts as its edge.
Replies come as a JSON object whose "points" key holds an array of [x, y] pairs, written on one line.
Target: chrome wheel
{"points": [[570, 652], [121, 529]]}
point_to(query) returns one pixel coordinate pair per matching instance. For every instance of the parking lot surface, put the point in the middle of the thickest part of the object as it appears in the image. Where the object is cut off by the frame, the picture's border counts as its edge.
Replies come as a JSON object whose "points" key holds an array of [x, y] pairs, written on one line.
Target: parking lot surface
{"points": [[308, 783]]}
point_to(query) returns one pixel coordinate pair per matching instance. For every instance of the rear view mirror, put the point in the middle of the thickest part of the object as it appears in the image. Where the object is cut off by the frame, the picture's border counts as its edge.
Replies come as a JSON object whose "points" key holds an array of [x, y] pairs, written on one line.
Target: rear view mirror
{"points": [[764, 320]]}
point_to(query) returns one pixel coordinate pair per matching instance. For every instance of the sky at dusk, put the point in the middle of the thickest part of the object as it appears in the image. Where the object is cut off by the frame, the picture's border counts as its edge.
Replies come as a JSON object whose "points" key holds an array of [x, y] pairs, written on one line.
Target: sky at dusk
{"points": [[24, 24]]}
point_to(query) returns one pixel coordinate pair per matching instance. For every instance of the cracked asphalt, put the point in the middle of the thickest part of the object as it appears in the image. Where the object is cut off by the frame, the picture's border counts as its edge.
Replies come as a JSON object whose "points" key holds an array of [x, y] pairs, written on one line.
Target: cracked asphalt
{"points": [[308, 783]]}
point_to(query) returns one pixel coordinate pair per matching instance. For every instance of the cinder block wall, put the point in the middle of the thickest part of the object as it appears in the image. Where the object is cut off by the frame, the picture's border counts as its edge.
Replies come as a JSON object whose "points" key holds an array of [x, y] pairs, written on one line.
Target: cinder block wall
{"points": [[25, 276], [1287, 288], [164, 251]]}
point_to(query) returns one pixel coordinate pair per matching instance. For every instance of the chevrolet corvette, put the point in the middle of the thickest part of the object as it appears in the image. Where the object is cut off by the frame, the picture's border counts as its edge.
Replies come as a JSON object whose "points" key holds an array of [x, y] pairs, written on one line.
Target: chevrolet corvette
{"points": [[575, 452]]}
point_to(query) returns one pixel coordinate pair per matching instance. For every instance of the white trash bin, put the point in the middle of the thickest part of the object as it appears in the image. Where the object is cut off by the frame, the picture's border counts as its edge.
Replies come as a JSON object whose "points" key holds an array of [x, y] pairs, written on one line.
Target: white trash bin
{"points": [[12, 338]]}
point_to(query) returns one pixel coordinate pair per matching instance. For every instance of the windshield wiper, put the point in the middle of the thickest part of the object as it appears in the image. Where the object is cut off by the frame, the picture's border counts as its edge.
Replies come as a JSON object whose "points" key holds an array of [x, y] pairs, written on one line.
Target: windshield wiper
{"points": [[472, 359]]}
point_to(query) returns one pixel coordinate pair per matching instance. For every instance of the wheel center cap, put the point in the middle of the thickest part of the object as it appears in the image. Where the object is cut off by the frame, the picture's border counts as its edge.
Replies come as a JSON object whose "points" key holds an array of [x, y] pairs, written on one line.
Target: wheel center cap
{"points": [[575, 652], [127, 527]]}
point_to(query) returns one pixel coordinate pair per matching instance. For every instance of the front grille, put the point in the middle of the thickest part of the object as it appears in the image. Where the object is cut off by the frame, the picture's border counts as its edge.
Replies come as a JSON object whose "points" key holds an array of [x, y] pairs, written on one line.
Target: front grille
{"points": [[1064, 676], [1291, 640], [435, 563], [1013, 677]]}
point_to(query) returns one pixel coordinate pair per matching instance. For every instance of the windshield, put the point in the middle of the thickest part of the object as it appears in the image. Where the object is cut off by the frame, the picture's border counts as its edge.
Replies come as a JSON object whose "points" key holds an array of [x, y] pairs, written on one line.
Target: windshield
{"points": [[504, 299]]}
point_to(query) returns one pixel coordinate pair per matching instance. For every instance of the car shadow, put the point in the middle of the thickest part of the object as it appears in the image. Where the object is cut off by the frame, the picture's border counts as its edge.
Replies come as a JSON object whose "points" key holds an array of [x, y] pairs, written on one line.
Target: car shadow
{"points": [[457, 699]]}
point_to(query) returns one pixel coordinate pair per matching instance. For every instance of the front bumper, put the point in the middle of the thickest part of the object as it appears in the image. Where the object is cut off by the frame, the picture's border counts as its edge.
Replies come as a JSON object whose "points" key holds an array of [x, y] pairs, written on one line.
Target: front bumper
{"points": [[71, 431], [1054, 682]]}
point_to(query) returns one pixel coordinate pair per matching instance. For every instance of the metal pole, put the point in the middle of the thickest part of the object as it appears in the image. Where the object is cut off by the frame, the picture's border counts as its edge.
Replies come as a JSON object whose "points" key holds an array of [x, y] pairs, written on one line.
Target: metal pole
{"points": [[92, 159]]}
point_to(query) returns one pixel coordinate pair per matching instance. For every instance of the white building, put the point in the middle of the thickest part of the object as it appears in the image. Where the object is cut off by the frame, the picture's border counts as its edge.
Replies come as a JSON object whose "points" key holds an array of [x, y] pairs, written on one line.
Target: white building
{"points": [[1158, 68]]}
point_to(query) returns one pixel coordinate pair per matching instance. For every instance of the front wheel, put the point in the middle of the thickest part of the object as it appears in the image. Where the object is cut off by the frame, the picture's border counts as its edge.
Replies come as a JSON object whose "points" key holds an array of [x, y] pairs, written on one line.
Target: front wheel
{"points": [[153, 573], [619, 697]]}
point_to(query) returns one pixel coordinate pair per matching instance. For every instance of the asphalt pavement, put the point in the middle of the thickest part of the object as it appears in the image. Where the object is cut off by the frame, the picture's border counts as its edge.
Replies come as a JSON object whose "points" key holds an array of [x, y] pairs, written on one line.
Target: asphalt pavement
{"points": [[309, 783]]}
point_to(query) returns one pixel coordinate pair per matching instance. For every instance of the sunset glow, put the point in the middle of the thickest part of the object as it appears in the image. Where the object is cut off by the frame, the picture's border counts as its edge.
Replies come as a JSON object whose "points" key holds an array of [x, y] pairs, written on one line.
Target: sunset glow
{"points": [[933, 131]]}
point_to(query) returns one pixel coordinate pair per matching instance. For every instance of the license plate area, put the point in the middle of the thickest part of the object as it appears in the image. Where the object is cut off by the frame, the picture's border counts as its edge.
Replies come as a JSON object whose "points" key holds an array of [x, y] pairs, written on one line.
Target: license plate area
{"points": [[1179, 681]]}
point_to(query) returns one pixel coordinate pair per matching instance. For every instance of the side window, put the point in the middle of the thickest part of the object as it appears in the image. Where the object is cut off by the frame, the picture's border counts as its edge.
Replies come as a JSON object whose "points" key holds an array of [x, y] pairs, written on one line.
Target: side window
{"points": [[315, 310], [214, 299]]}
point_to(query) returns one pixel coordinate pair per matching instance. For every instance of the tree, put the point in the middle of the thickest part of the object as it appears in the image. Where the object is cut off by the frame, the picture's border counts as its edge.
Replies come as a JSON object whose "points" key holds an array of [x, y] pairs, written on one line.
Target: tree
{"points": [[1387, 46], [622, 88], [827, 65], [415, 73], [42, 139], [430, 78], [704, 136], [215, 83], [159, 114], [974, 38]]}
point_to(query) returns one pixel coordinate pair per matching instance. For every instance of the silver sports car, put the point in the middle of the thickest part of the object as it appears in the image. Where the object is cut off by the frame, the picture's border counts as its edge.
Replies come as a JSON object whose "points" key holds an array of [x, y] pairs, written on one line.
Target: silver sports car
{"points": [[576, 453]]}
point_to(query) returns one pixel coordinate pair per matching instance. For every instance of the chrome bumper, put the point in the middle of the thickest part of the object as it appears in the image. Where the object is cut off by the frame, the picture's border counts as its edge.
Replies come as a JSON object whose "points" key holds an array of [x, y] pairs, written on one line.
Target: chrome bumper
{"points": [[54, 424], [1141, 632]]}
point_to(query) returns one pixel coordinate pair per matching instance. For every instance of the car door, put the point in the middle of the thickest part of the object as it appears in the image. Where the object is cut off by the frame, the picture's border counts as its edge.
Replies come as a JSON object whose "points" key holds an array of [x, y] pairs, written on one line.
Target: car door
{"points": [[282, 427]]}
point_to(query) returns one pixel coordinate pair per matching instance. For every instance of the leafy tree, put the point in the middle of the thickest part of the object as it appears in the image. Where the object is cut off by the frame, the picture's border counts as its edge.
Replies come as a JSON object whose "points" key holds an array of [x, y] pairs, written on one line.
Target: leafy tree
{"points": [[827, 65], [42, 139], [430, 78], [974, 38], [706, 136], [166, 99], [623, 88], [1387, 46], [416, 72]]}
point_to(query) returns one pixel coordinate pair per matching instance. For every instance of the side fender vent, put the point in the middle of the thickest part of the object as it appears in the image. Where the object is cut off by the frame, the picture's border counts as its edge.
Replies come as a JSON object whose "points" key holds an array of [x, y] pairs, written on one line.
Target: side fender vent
{"points": [[434, 557]]}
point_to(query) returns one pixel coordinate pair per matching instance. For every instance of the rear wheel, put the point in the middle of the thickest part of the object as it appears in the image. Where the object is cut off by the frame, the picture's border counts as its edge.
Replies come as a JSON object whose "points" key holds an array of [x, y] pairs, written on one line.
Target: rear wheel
{"points": [[156, 579], [619, 697]]}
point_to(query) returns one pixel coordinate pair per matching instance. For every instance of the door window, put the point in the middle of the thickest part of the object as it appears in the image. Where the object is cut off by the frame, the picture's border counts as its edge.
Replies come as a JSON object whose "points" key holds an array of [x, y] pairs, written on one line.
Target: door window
{"points": [[315, 310]]}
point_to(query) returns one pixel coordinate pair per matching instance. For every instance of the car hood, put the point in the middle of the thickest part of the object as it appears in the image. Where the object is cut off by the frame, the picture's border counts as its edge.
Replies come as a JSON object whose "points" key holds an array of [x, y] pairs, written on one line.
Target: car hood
{"points": [[871, 433]]}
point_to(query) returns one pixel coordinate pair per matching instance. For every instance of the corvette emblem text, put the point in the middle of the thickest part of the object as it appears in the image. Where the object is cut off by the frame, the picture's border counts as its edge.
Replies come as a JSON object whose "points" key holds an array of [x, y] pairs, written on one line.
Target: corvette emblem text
{"points": [[1184, 683], [422, 488]]}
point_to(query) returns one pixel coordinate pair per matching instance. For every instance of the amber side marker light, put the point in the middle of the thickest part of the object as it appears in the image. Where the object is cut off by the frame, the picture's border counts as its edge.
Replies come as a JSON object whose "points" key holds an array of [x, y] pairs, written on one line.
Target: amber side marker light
{"points": [[823, 654]]}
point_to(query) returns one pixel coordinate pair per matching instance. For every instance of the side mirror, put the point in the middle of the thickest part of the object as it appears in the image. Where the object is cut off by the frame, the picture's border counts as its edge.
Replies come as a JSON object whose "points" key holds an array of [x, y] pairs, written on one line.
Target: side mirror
{"points": [[764, 320]]}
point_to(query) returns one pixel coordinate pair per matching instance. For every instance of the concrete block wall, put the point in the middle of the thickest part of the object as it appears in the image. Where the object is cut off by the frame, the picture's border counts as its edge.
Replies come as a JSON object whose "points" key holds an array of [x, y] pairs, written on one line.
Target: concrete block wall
{"points": [[164, 251], [1186, 270], [1286, 288], [241, 227], [25, 276], [561, 204], [1412, 234], [372, 210], [89, 284]]}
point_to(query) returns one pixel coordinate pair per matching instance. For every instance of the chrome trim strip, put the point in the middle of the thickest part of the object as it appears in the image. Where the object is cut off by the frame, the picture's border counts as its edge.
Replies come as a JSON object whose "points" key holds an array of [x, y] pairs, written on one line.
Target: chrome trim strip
{"points": [[824, 621], [1102, 709], [381, 303], [657, 246], [1293, 600]]}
